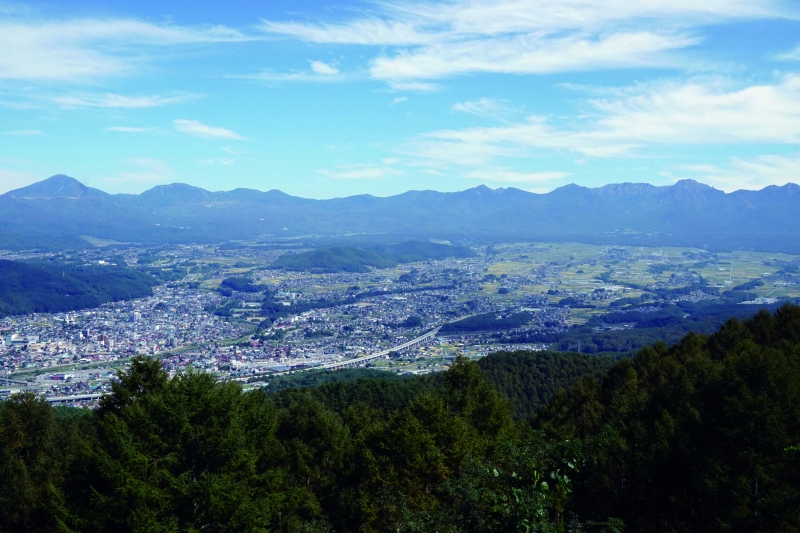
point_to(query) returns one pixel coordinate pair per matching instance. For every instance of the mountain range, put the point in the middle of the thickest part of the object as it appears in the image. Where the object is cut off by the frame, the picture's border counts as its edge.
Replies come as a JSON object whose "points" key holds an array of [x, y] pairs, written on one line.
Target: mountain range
{"points": [[60, 209]]}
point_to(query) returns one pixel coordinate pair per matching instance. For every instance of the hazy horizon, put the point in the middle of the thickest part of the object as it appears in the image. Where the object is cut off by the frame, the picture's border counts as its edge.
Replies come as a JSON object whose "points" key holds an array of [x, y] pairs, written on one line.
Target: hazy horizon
{"points": [[476, 186]]}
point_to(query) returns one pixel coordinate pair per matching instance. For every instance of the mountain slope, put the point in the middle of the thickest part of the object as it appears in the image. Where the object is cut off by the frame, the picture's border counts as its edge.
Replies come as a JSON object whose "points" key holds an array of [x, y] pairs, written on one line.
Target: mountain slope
{"points": [[687, 214]]}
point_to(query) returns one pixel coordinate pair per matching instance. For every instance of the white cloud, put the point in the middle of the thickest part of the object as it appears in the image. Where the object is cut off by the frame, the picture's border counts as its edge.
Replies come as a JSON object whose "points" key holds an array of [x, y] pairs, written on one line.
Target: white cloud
{"points": [[80, 50], [220, 161], [127, 129], [399, 100], [323, 68], [482, 106], [430, 40], [750, 174], [420, 23], [704, 111], [699, 112], [109, 100], [529, 54], [791, 55], [368, 31], [21, 132], [477, 107], [198, 129], [361, 172]]}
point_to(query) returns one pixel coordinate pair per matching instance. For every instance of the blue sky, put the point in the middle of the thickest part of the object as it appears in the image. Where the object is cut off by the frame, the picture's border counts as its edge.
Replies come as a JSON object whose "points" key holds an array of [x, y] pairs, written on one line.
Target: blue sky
{"points": [[327, 99]]}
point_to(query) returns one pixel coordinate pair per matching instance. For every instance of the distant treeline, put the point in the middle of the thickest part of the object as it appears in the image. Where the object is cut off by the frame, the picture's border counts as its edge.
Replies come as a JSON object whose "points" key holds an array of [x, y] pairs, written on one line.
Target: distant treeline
{"points": [[668, 323], [40, 242], [45, 287], [487, 322], [703, 436]]}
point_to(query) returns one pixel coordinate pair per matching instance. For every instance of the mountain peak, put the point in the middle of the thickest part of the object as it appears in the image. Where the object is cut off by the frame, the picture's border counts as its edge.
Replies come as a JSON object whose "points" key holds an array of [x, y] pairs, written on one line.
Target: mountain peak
{"points": [[173, 194], [692, 185], [58, 186]]}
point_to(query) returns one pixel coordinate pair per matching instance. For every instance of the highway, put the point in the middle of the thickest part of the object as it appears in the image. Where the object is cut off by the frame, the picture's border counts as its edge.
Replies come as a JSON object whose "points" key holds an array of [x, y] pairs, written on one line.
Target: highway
{"points": [[360, 360], [70, 399], [331, 366]]}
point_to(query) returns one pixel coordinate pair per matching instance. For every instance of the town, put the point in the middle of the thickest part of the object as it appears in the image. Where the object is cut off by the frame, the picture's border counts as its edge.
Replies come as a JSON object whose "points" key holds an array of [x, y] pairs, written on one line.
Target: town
{"points": [[296, 321]]}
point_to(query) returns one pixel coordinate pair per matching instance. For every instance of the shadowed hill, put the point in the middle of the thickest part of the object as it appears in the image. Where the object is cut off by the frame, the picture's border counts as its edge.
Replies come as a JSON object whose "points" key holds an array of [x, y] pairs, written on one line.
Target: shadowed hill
{"points": [[39, 288], [350, 259]]}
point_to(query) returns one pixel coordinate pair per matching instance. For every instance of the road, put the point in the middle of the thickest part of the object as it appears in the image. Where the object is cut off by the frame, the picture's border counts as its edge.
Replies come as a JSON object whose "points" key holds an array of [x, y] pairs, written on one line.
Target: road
{"points": [[360, 360]]}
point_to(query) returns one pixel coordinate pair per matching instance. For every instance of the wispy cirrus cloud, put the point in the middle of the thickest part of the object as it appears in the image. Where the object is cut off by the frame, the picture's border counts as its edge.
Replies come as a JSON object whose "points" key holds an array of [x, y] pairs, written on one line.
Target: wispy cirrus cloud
{"points": [[433, 40], [118, 101], [198, 129], [700, 111], [530, 54], [481, 106], [83, 49]]}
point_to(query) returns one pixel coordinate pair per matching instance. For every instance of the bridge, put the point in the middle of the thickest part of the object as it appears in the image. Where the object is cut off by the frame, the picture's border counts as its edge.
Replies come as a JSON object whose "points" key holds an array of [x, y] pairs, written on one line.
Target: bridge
{"points": [[413, 343], [72, 399]]}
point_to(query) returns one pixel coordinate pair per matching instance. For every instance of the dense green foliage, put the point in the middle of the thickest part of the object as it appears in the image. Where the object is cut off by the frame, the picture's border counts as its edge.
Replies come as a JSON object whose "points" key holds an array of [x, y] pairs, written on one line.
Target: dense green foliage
{"points": [[530, 379], [702, 436], [315, 378], [383, 393], [351, 259], [487, 322], [336, 259], [414, 251], [240, 284], [41, 242], [45, 288], [188, 454]]}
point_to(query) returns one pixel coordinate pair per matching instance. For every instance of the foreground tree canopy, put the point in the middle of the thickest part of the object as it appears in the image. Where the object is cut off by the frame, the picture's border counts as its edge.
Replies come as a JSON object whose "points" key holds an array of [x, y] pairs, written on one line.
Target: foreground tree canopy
{"points": [[700, 436]]}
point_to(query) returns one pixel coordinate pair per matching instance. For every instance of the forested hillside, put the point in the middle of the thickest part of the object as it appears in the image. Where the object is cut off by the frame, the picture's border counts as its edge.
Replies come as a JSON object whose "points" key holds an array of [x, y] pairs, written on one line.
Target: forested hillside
{"points": [[47, 288], [351, 259], [701, 436]]}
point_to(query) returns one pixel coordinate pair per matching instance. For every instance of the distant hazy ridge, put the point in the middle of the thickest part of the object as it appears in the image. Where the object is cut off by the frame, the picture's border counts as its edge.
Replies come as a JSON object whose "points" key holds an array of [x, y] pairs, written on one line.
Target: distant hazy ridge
{"points": [[687, 213]]}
